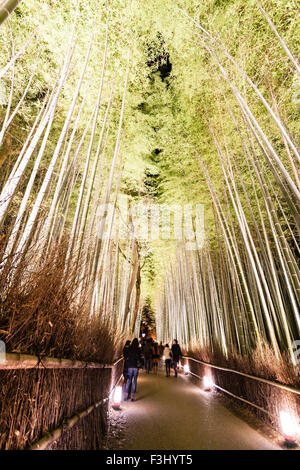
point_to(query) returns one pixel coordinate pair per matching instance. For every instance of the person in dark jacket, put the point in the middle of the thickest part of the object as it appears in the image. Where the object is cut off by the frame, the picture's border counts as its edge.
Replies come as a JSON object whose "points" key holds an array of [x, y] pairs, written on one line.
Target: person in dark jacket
{"points": [[155, 357], [147, 352], [134, 362], [176, 354], [125, 366], [161, 353], [168, 359]]}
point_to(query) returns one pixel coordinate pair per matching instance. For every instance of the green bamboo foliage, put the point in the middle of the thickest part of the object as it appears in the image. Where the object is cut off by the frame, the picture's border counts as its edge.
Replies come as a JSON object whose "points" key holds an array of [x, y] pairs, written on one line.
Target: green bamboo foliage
{"points": [[76, 172], [238, 290], [241, 289]]}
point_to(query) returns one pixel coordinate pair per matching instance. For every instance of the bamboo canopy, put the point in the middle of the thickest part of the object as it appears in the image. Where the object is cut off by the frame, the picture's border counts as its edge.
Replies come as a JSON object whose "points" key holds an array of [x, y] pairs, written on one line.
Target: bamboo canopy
{"points": [[118, 122]]}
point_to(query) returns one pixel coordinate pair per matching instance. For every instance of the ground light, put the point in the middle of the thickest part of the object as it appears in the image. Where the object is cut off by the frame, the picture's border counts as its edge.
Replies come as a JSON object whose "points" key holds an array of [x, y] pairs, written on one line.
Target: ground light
{"points": [[208, 383], [163, 358], [289, 428], [117, 397], [186, 369]]}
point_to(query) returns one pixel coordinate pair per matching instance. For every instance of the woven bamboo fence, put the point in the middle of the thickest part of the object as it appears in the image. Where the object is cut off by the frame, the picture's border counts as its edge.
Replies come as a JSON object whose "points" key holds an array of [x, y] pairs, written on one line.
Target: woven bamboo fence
{"points": [[264, 397], [54, 404]]}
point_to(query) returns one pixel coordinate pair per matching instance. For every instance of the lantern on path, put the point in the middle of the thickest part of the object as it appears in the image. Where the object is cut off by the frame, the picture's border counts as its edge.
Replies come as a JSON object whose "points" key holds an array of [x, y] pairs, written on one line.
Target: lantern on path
{"points": [[208, 383], [289, 428], [186, 369], [117, 398]]}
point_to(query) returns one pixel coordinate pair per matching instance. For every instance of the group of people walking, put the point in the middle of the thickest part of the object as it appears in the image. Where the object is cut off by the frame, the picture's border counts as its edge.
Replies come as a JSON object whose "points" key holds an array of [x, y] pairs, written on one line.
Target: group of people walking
{"points": [[149, 355], [156, 354], [172, 356]]}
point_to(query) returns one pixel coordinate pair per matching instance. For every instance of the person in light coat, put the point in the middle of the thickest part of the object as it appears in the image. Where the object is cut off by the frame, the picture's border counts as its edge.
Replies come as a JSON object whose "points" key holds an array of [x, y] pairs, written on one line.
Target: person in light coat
{"points": [[168, 359]]}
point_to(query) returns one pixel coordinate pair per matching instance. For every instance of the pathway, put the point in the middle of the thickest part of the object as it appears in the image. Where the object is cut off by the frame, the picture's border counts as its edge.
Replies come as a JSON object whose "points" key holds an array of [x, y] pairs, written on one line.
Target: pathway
{"points": [[174, 414]]}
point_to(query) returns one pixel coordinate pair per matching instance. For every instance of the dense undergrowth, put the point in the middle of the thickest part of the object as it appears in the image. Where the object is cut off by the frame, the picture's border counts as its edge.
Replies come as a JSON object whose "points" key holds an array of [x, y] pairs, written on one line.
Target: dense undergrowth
{"points": [[260, 363], [40, 313]]}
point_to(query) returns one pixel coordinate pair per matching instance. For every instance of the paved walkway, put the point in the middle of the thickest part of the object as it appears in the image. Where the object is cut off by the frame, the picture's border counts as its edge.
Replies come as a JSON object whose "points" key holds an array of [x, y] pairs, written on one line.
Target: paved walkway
{"points": [[174, 414]]}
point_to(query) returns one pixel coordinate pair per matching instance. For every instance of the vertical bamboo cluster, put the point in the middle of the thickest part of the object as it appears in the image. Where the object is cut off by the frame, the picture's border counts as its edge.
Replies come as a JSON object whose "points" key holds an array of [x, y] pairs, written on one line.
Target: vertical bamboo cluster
{"points": [[6, 8], [242, 288], [69, 191]]}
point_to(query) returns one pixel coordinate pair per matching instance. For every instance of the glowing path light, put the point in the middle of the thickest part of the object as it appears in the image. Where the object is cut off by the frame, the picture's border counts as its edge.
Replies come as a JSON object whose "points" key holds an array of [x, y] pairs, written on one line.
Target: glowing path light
{"points": [[208, 383], [289, 427], [117, 398], [186, 369]]}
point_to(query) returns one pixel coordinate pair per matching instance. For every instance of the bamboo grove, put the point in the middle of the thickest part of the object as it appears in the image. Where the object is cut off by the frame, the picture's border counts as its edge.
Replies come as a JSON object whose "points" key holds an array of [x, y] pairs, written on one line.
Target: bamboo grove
{"points": [[154, 103], [63, 187], [241, 292]]}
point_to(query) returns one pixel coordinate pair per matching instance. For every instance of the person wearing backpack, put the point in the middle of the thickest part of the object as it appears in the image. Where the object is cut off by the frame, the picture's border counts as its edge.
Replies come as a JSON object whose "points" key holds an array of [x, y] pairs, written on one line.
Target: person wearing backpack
{"points": [[161, 353], [147, 352], [176, 353], [125, 366], [155, 357]]}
